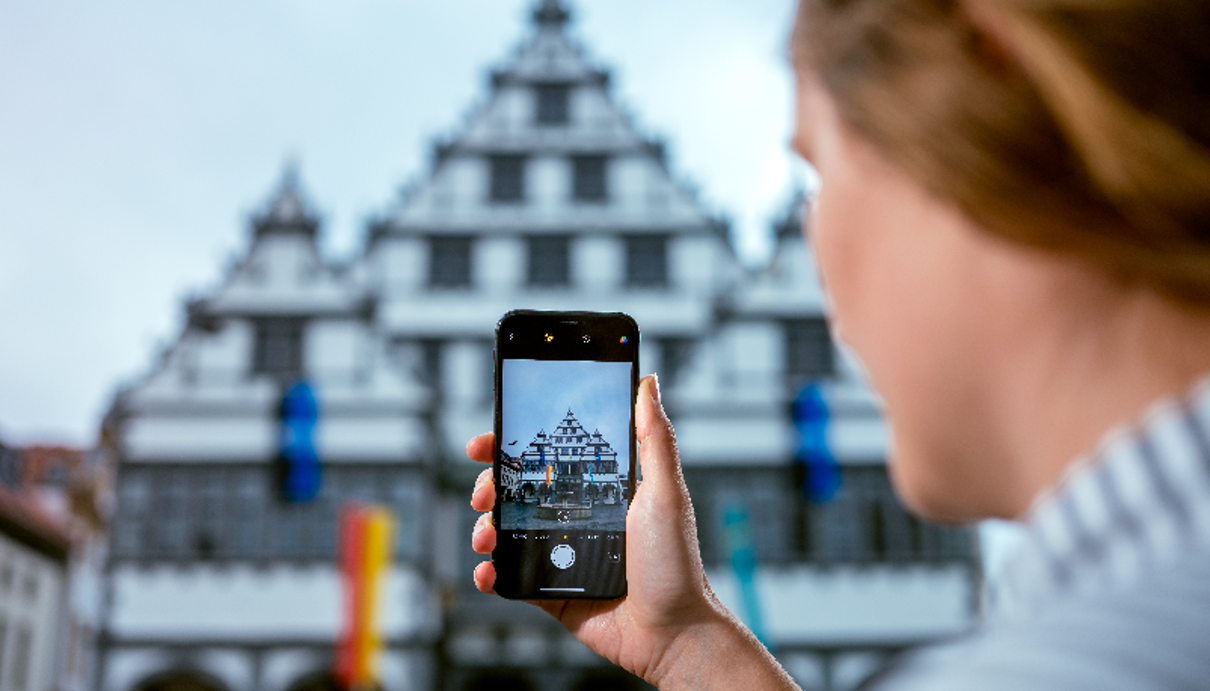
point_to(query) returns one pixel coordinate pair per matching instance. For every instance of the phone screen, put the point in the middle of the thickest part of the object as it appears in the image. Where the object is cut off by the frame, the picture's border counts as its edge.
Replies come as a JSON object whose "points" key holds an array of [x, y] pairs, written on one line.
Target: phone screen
{"points": [[565, 453]]}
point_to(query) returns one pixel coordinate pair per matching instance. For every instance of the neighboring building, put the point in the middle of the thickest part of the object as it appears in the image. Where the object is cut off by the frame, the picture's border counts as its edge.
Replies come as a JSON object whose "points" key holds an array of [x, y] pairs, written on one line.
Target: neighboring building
{"points": [[549, 197], [50, 559], [218, 578]]}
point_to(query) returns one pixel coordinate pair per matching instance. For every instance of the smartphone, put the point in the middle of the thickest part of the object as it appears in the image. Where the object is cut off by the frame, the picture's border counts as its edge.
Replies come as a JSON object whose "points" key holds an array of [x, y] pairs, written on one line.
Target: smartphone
{"points": [[564, 458]]}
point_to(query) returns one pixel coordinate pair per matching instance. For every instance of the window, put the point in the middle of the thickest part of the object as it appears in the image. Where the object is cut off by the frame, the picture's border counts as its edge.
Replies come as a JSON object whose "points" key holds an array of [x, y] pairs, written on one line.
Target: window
{"points": [[173, 511], [407, 501], [552, 103], [211, 503], [22, 651], [647, 261], [808, 350], [863, 524], [450, 262], [588, 178], [508, 178], [248, 516], [134, 497], [279, 347], [674, 356], [548, 260]]}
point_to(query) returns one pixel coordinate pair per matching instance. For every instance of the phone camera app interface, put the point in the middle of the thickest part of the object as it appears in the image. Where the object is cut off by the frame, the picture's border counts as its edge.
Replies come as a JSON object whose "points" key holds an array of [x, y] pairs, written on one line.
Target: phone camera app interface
{"points": [[565, 449]]}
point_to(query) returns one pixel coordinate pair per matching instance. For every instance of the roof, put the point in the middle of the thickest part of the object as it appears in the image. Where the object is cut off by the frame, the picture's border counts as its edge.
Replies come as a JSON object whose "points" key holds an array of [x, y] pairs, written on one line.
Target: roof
{"points": [[23, 520]]}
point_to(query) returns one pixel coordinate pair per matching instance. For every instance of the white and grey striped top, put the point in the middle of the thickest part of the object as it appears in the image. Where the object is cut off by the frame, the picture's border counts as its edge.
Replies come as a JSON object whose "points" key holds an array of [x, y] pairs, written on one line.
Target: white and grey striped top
{"points": [[1111, 587]]}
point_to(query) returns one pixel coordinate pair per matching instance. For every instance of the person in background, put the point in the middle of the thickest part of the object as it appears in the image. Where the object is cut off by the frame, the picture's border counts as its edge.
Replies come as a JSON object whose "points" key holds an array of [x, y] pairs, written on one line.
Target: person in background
{"points": [[1013, 227]]}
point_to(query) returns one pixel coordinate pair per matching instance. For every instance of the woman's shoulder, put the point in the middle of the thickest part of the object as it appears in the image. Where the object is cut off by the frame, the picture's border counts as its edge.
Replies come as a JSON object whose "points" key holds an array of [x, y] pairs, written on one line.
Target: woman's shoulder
{"points": [[1153, 633]]}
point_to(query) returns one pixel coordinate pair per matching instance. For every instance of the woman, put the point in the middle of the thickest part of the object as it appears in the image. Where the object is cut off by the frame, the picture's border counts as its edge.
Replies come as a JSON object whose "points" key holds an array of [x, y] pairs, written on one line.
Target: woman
{"points": [[1013, 227]]}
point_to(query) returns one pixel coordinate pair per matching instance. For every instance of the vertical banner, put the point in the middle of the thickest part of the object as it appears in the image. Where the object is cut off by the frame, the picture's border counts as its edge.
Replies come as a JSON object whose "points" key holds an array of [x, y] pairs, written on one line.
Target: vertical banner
{"points": [[821, 472], [738, 537], [365, 556], [299, 415]]}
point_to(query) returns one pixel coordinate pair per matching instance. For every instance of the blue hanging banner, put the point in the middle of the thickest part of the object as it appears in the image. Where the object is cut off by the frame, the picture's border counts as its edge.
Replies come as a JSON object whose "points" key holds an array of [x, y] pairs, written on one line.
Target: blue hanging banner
{"points": [[821, 472], [296, 450]]}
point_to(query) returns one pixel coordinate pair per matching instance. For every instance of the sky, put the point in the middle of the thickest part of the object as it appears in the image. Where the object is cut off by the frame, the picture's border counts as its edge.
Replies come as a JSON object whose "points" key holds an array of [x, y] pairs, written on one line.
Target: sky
{"points": [[538, 393], [137, 136]]}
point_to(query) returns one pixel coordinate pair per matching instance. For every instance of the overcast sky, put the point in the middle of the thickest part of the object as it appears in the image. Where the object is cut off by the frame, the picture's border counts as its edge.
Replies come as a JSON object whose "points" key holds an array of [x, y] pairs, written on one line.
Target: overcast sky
{"points": [[137, 135]]}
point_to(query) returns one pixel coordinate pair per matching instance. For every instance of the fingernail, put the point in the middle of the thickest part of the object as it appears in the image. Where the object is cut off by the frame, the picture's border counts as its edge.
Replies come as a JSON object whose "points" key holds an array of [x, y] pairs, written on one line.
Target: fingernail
{"points": [[479, 526], [479, 481], [655, 388]]}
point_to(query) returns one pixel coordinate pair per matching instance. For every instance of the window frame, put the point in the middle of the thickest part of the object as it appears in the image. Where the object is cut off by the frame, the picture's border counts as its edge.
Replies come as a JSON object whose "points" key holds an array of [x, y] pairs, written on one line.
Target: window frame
{"points": [[506, 178], [548, 261], [446, 274], [552, 103], [809, 351], [590, 178], [640, 249], [268, 354]]}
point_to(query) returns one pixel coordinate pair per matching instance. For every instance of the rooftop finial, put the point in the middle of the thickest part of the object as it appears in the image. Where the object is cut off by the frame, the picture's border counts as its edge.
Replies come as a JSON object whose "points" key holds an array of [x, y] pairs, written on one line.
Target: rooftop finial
{"points": [[287, 210], [551, 13]]}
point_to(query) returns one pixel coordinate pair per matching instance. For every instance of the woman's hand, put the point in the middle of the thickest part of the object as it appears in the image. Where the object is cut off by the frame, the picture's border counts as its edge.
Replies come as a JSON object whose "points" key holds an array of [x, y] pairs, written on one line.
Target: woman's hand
{"points": [[670, 629]]}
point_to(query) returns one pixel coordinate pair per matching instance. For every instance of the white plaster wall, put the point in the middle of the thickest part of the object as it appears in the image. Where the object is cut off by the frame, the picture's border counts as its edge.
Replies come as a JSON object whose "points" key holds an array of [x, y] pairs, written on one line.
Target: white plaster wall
{"points": [[126, 668], [467, 373], [753, 351], [200, 438], [334, 346], [282, 667], [858, 439], [466, 180], [730, 440], [693, 263], [597, 262], [243, 603], [383, 438], [803, 605], [628, 177], [227, 351], [546, 180], [402, 263], [500, 263], [591, 111], [236, 668]]}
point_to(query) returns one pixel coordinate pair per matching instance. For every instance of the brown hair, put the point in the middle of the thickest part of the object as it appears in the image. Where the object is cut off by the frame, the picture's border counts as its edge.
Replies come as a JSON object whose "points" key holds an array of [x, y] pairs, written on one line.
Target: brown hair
{"points": [[1081, 126]]}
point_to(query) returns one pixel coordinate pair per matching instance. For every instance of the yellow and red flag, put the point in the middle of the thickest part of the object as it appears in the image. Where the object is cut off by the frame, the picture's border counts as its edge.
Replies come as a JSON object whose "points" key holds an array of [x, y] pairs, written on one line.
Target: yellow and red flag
{"points": [[550, 470], [365, 555]]}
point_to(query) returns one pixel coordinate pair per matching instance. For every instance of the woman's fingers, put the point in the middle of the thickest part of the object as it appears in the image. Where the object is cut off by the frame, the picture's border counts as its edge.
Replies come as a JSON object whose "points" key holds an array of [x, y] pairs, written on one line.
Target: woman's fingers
{"points": [[483, 496], [483, 536], [485, 577], [480, 448], [657, 450]]}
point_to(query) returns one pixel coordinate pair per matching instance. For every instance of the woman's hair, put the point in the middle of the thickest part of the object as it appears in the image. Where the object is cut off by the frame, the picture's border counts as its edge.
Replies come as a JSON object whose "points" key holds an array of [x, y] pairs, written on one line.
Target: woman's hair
{"points": [[1081, 126]]}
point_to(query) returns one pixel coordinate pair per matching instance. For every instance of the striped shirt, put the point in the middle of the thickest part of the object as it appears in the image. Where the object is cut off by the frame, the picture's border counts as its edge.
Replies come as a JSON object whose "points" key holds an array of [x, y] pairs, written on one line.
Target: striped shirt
{"points": [[1111, 586]]}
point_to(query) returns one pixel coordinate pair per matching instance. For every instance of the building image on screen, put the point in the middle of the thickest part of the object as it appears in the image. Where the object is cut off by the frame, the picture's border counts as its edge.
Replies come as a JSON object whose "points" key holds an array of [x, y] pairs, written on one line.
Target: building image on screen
{"points": [[565, 449]]}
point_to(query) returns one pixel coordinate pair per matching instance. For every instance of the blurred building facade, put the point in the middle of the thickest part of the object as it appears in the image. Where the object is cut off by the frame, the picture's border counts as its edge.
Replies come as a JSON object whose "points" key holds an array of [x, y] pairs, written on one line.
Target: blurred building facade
{"points": [[548, 197]]}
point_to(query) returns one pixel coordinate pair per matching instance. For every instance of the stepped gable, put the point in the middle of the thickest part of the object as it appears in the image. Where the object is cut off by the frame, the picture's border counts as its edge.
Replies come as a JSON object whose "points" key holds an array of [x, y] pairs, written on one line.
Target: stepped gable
{"points": [[283, 273], [549, 117]]}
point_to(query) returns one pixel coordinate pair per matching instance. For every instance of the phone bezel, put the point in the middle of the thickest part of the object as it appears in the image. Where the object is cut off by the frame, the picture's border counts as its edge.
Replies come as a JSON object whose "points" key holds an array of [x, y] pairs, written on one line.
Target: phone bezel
{"points": [[606, 329]]}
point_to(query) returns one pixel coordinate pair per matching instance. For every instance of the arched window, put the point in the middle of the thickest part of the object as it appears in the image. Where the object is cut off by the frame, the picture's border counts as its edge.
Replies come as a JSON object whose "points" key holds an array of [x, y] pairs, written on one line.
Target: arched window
{"points": [[181, 680]]}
